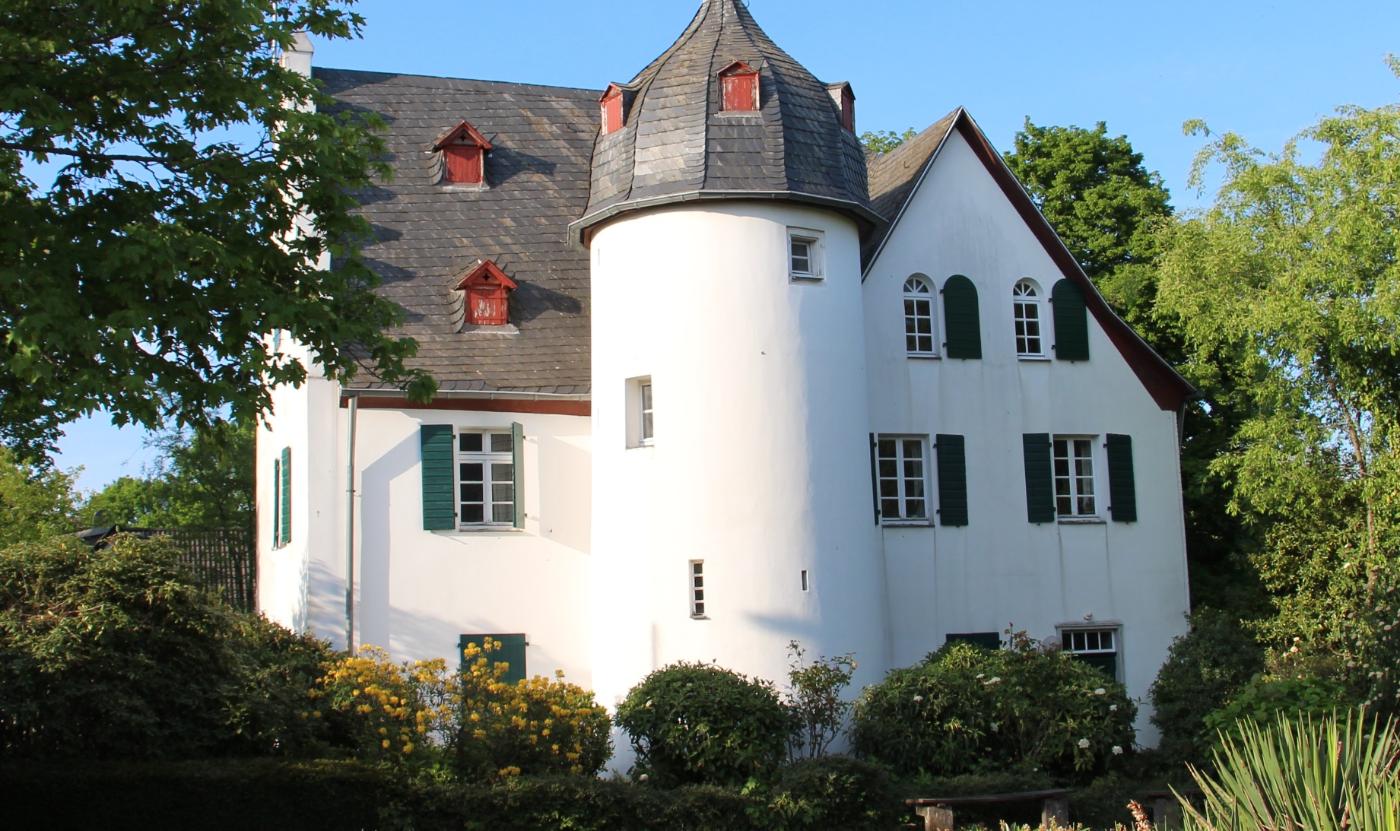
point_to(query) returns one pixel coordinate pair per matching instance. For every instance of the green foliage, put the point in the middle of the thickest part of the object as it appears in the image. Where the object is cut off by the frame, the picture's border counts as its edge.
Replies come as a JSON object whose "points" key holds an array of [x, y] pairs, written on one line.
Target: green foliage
{"points": [[965, 709], [114, 654], [1204, 669], [815, 700], [146, 277], [1267, 698], [883, 141], [702, 724], [202, 479], [1323, 774], [834, 792], [34, 502], [1291, 280]]}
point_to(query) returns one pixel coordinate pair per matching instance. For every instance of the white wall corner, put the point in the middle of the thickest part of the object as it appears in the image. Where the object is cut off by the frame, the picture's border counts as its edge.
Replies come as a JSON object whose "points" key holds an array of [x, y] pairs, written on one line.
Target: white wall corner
{"points": [[298, 58]]}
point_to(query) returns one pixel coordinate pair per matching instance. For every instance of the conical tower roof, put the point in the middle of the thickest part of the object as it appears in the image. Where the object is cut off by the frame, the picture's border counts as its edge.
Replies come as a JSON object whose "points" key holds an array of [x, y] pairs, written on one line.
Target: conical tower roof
{"points": [[676, 144]]}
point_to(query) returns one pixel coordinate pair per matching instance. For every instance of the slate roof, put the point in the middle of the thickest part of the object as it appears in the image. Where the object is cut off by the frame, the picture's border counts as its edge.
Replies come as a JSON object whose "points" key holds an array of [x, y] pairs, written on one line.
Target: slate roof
{"points": [[676, 144], [893, 176], [427, 235]]}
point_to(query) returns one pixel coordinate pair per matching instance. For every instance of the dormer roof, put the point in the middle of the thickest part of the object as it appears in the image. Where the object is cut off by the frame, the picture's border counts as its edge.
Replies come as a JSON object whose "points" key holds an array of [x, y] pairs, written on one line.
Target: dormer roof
{"points": [[675, 144], [464, 130]]}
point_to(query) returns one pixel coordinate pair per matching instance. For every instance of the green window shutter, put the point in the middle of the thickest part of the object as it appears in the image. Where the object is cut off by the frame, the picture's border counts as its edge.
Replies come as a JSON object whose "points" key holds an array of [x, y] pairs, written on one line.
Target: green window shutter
{"points": [[517, 466], [1071, 322], [986, 640], [286, 484], [952, 480], [277, 503], [1040, 487], [439, 479], [512, 652], [962, 325], [1122, 490], [874, 480]]}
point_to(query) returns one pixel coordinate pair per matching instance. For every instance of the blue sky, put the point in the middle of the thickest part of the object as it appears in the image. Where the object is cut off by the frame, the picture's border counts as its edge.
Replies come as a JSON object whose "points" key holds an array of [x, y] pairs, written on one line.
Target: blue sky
{"points": [[1262, 69]]}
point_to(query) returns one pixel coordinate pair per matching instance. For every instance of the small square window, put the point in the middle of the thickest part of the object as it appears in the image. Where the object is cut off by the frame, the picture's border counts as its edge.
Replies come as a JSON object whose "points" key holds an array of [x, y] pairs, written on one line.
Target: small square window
{"points": [[804, 255]]}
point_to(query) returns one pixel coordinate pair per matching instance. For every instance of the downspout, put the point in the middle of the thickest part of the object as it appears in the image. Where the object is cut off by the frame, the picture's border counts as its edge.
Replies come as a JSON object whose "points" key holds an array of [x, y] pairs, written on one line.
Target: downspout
{"points": [[350, 524]]}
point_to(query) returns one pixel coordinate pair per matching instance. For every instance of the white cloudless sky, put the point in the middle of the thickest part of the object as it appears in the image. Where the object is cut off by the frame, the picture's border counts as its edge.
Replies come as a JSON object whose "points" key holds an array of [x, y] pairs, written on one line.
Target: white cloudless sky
{"points": [[1263, 69]]}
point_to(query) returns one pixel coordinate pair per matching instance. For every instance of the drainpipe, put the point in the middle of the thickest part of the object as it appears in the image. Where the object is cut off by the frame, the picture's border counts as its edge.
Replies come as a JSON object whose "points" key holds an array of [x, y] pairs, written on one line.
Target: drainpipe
{"points": [[350, 525]]}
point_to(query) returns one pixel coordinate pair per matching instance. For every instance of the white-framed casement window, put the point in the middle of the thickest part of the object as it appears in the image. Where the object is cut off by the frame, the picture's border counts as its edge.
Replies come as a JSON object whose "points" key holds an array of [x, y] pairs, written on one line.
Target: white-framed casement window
{"points": [[804, 254], [641, 423], [919, 317], [1073, 460], [1027, 318], [1097, 646], [485, 478], [697, 588], [901, 462]]}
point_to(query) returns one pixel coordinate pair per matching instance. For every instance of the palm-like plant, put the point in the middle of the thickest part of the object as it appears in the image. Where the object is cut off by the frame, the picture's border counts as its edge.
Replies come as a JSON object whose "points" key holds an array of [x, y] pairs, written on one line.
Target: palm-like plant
{"points": [[1336, 773]]}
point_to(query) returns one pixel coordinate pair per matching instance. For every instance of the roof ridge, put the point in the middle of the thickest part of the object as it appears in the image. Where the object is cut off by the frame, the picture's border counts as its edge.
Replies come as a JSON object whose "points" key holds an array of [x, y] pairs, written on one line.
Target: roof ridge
{"points": [[412, 75]]}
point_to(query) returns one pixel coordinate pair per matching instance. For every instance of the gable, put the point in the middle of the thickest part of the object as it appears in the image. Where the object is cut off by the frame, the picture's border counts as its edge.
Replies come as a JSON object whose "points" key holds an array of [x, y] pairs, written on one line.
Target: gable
{"points": [[900, 177]]}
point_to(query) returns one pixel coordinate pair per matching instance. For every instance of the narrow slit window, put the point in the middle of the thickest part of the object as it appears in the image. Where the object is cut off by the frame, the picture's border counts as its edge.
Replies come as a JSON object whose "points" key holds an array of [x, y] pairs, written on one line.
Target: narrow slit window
{"points": [[697, 588], [805, 584], [646, 412]]}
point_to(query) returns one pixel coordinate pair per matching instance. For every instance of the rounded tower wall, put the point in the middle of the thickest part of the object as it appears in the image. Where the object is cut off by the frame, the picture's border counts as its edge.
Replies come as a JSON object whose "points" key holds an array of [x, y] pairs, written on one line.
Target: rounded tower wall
{"points": [[759, 466]]}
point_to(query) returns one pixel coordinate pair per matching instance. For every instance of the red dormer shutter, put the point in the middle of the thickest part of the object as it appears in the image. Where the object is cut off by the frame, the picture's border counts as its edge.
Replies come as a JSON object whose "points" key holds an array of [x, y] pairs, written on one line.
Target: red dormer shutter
{"points": [[610, 109], [740, 87], [487, 298], [463, 151], [848, 109]]}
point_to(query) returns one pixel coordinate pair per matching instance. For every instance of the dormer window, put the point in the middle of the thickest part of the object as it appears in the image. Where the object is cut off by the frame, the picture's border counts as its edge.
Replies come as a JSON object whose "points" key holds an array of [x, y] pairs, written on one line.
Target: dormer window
{"points": [[845, 99], [610, 107], [463, 150], [739, 88], [487, 295]]}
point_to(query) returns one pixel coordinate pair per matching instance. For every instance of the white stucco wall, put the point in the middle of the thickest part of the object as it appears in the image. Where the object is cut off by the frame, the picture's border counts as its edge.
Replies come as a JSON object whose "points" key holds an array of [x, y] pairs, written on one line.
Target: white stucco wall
{"points": [[1001, 570], [759, 465]]}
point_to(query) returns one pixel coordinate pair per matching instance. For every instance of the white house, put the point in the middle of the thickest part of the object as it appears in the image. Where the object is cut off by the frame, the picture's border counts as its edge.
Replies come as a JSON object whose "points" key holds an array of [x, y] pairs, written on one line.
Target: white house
{"points": [[713, 380]]}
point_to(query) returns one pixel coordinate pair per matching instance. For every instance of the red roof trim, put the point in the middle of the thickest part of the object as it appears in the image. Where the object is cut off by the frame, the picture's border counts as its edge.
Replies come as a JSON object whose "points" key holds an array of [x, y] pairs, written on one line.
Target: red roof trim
{"points": [[481, 405], [738, 68], [612, 91], [482, 270], [465, 128]]}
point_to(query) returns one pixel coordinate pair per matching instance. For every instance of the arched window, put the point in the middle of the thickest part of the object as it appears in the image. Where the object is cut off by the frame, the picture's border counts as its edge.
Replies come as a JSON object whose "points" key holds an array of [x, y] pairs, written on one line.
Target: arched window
{"points": [[918, 316], [1025, 311]]}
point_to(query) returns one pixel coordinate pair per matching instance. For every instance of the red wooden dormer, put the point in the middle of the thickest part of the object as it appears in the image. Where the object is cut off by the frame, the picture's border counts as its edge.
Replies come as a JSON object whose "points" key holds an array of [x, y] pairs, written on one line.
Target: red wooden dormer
{"points": [[845, 99], [610, 109], [488, 293], [739, 88], [463, 151]]}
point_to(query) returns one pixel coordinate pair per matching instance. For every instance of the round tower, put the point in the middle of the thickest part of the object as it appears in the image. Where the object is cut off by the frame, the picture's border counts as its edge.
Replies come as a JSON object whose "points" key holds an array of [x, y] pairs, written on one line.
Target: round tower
{"points": [[732, 505]]}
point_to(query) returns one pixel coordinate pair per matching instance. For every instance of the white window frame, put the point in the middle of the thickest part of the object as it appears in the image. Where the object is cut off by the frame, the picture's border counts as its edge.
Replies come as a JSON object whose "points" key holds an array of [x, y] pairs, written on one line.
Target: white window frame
{"points": [[1070, 485], [695, 579], [1021, 320], [912, 297], [488, 458], [638, 391], [1091, 637], [901, 480], [812, 269]]}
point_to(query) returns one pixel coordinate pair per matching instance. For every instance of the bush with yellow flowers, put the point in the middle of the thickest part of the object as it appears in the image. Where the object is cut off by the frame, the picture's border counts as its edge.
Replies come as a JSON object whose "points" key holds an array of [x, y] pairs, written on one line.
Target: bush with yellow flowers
{"points": [[533, 726], [386, 712]]}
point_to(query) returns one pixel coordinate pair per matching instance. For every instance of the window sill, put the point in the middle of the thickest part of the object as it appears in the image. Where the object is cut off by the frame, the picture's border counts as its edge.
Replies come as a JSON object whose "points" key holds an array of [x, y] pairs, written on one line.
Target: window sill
{"points": [[906, 523], [487, 529], [1082, 520], [1034, 358], [699, 617], [923, 356], [647, 446], [805, 278]]}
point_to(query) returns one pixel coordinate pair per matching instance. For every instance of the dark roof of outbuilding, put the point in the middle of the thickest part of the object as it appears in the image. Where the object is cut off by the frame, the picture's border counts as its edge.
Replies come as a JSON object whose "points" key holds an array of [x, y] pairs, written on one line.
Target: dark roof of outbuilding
{"points": [[675, 144], [427, 235]]}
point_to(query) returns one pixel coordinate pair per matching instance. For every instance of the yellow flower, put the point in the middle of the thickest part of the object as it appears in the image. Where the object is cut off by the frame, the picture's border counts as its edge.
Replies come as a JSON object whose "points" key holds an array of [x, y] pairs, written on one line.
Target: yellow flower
{"points": [[384, 744]]}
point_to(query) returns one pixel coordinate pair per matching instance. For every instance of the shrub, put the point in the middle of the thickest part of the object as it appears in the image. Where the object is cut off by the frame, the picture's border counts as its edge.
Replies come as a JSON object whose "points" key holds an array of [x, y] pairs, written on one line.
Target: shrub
{"points": [[701, 724], [275, 668], [1266, 697], [110, 653], [834, 792], [815, 700], [585, 804], [965, 709], [1204, 669], [531, 727], [1325, 774]]}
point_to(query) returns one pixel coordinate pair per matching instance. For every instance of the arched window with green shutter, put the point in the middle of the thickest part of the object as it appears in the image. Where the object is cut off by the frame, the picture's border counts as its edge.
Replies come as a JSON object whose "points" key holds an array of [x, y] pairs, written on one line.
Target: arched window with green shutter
{"points": [[962, 325], [1071, 322]]}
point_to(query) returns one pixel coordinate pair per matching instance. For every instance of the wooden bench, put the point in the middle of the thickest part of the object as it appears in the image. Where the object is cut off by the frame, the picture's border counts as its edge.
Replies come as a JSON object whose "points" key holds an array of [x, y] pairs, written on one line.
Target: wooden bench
{"points": [[937, 812]]}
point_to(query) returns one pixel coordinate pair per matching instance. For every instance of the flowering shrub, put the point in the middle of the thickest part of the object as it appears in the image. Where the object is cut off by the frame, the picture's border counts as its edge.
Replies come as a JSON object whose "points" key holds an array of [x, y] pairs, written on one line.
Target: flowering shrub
{"points": [[387, 712], [698, 723], [534, 726], [965, 709]]}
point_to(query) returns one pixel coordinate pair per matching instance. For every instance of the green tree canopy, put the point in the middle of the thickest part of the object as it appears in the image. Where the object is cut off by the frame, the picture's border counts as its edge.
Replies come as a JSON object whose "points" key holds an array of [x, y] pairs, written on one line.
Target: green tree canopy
{"points": [[147, 277], [883, 141], [34, 503], [1293, 276]]}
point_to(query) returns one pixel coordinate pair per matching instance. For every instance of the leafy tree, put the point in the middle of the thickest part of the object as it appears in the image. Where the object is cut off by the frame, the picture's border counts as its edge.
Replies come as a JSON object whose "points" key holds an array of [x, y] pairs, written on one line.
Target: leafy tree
{"points": [[194, 200], [34, 503], [202, 479], [883, 141], [1293, 276]]}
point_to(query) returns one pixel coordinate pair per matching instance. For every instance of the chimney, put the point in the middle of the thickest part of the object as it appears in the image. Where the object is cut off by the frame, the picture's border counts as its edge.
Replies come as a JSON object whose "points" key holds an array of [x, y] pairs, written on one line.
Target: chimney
{"points": [[298, 58]]}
